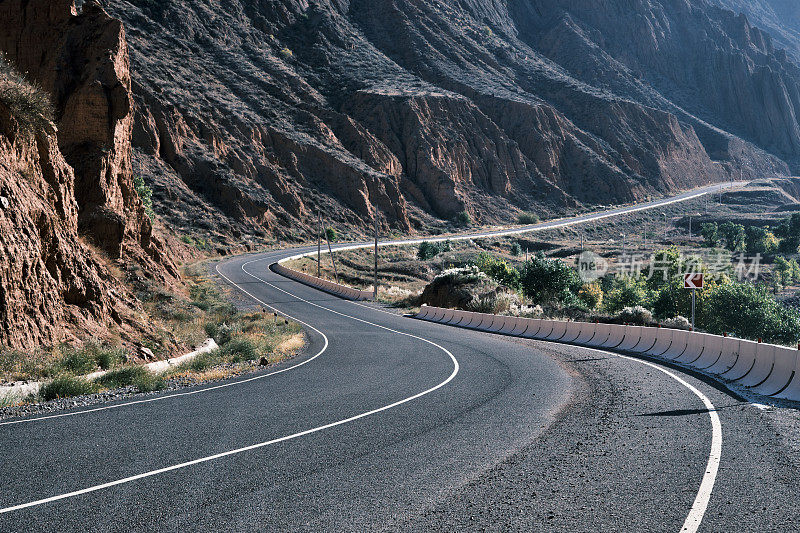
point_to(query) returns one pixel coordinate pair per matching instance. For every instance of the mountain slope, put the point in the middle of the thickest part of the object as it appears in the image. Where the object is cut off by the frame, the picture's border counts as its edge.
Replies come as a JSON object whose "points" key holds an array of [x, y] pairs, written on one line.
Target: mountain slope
{"points": [[251, 118]]}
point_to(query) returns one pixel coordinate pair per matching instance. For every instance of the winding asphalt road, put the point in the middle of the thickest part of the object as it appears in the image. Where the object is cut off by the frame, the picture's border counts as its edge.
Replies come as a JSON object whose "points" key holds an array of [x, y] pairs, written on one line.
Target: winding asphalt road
{"points": [[391, 423]]}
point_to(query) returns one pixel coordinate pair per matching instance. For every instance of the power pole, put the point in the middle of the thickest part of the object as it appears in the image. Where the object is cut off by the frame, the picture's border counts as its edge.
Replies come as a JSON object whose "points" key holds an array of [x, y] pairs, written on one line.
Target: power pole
{"points": [[333, 259], [375, 290], [665, 226], [690, 228], [319, 241]]}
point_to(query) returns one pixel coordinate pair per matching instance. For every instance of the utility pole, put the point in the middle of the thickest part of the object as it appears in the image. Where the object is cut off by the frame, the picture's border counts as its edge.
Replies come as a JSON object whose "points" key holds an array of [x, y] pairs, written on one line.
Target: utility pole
{"points": [[690, 227], [319, 241], [375, 290], [665, 226], [333, 259], [694, 292]]}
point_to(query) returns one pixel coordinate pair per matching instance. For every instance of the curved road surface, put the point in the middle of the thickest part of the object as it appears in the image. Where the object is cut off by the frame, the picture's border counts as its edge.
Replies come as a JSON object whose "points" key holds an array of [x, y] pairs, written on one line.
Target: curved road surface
{"points": [[391, 423]]}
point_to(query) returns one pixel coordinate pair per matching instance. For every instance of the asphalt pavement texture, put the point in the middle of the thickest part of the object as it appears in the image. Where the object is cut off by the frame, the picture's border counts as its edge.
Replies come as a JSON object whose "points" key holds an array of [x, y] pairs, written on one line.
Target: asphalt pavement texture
{"points": [[526, 435]]}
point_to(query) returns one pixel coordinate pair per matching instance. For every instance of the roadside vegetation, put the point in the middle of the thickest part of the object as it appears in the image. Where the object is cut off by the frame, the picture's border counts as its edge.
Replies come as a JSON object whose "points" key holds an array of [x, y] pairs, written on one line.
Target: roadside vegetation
{"points": [[28, 103], [245, 339], [536, 274]]}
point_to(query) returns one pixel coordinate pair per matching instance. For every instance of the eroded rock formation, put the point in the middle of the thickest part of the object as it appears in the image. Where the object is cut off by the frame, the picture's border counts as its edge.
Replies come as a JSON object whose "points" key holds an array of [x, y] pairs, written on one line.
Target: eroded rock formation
{"points": [[81, 59]]}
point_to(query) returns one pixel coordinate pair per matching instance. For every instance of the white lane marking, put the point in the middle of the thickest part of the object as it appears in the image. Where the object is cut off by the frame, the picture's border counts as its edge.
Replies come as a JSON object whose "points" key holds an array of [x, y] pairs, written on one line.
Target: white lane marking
{"points": [[700, 504], [190, 393], [698, 510], [317, 429], [538, 227]]}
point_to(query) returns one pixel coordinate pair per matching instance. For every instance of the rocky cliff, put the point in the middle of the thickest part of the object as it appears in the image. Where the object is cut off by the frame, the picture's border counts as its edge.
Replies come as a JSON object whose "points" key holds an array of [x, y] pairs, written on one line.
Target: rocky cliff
{"points": [[251, 117], [81, 60], [69, 211], [51, 286]]}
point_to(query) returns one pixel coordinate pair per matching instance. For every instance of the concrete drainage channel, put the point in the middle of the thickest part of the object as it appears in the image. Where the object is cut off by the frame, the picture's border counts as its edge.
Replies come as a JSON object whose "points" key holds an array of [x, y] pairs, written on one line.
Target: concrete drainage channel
{"points": [[18, 391], [765, 369]]}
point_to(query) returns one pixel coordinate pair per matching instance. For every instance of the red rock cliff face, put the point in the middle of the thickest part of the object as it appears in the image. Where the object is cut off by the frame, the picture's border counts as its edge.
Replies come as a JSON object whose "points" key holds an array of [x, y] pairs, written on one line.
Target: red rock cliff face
{"points": [[50, 286], [81, 60]]}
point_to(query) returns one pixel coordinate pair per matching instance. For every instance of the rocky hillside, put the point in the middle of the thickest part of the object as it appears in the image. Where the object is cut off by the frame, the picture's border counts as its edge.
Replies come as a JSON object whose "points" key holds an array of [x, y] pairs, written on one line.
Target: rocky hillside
{"points": [[251, 116], [70, 213]]}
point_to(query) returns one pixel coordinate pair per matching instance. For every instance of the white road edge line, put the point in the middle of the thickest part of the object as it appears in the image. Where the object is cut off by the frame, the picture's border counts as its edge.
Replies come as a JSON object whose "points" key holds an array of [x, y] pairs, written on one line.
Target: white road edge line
{"points": [[192, 392], [698, 510], [538, 227], [151, 473]]}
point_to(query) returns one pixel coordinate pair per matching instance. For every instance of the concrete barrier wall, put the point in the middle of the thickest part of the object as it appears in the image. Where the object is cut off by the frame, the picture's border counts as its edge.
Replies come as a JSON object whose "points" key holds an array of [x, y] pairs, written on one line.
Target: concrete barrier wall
{"points": [[348, 293], [764, 368]]}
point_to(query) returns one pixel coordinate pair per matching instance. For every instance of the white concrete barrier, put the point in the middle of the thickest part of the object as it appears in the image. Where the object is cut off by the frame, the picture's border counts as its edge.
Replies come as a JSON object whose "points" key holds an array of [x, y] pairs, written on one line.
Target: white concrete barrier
{"points": [[712, 351], [588, 330], [499, 323], [678, 346], [528, 327], [615, 337], [573, 331], [728, 357], [545, 330], [511, 324], [559, 330], [694, 348], [792, 391], [342, 291], [785, 361], [766, 369], [745, 361], [765, 360], [602, 331], [647, 340], [633, 334]]}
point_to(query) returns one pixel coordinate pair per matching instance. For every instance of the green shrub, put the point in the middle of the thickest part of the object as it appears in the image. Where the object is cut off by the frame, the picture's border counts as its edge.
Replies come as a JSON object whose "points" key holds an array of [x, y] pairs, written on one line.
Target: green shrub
{"points": [[636, 315], [239, 350], [516, 250], [145, 195], [749, 311], [710, 232], [548, 280], [286, 53], [330, 234], [527, 218], [76, 361], [789, 232], [734, 235], [463, 218], [105, 357], [66, 386], [428, 250], [498, 270], [759, 240], [591, 294], [139, 376], [625, 291]]}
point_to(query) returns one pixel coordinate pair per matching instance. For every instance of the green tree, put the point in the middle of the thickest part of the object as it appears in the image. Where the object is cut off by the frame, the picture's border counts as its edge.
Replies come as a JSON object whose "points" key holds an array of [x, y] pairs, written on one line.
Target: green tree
{"points": [[463, 218], [516, 249], [591, 295], [625, 291], [749, 311], [549, 280], [789, 232], [759, 240], [734, 235], [710, 232], [498, 270]]}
